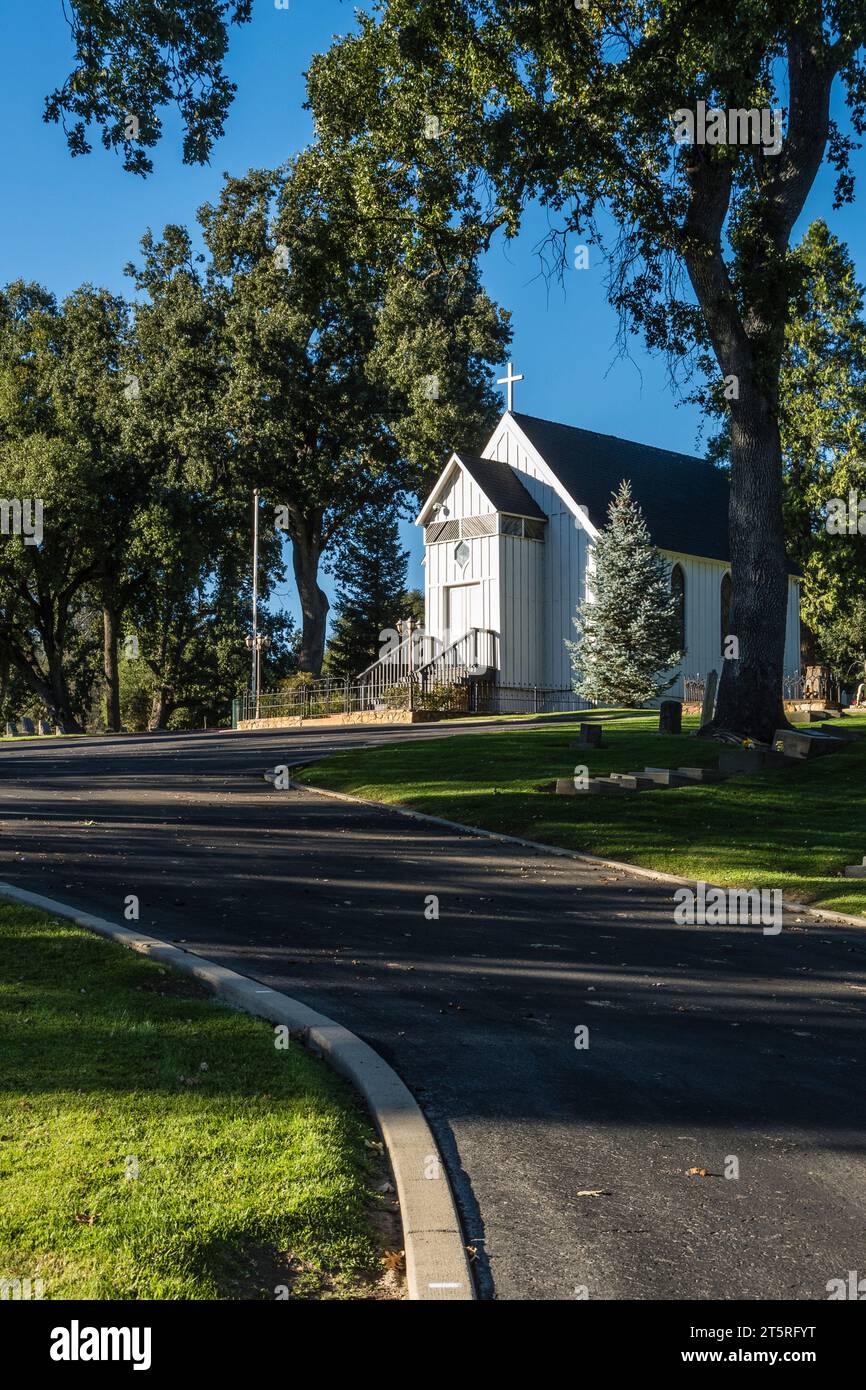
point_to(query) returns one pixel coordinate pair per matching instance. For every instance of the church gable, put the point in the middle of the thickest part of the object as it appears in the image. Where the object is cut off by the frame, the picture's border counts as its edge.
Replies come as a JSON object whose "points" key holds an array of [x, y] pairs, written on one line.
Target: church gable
{"points": [[510, 445], [472, 486], [684, 499]]}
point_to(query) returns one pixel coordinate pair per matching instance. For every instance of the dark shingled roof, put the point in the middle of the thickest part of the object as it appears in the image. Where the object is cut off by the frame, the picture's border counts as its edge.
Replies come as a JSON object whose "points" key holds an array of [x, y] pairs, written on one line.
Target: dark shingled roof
{"points": [[684, 499], [501, 485]]}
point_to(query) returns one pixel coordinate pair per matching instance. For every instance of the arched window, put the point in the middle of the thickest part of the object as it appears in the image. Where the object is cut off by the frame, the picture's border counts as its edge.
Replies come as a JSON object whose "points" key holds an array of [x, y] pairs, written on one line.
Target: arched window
{"points": [[725, 601], [678, 589]]}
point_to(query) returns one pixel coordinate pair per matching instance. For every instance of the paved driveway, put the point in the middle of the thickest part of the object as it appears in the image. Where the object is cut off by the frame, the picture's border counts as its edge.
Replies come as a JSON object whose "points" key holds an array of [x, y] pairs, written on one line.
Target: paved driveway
{"points": [[710, 1048]]}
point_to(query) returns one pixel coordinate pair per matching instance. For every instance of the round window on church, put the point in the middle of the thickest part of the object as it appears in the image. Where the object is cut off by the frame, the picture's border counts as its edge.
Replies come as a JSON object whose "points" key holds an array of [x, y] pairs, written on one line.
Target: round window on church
{"points": [[461, 555]]}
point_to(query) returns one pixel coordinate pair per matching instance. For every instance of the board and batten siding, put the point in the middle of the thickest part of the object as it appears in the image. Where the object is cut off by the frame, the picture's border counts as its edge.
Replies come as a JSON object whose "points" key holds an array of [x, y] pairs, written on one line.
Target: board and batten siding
{"points": [[522, 610], [703, 601], [703, 604], [564, 563]]}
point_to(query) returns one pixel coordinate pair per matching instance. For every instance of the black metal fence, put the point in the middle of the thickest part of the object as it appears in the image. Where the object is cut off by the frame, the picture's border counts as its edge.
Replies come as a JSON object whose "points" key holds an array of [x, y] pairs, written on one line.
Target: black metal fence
{"points": [[526, 699], [692, 688], [460, 695]]}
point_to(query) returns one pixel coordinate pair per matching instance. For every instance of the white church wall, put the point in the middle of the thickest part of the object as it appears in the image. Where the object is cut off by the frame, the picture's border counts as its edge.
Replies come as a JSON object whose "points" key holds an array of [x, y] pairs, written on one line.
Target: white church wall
{"points": [[703, 602], [442, 573], [522, 610], [463, 497], [703, 595], [565, 554]]}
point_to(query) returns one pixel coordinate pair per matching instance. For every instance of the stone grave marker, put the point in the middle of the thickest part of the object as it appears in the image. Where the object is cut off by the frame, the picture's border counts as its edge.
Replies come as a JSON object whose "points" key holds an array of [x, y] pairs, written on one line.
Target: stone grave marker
{"points": [[665, 777], [28, 726], [701, 774], [708, 708], [801, 745], [45, 727], [12, 729], [671, 717]]}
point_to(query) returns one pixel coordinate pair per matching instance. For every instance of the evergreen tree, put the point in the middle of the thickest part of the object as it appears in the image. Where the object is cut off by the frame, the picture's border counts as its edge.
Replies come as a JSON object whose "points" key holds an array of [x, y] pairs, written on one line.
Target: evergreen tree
{"points": [[629, 625], [371, 593]]}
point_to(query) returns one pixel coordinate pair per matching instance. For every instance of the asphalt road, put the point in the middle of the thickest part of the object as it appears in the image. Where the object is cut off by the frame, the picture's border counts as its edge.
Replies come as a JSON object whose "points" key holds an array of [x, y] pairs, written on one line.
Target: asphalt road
{"points": [[709, 1048]]}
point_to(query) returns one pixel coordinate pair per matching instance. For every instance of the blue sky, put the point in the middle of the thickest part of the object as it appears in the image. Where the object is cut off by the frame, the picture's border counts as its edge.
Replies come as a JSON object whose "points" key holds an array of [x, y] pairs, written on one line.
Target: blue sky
{"points": [[70, 221]]}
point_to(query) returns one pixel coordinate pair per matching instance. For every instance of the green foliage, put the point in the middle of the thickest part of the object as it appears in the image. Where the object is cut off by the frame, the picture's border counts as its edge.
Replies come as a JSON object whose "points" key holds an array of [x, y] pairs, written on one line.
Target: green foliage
{"points": [[628, 626], [823, 424], [62, 444], [348, 372], [843, 643], [370, 572], [132, 59]]}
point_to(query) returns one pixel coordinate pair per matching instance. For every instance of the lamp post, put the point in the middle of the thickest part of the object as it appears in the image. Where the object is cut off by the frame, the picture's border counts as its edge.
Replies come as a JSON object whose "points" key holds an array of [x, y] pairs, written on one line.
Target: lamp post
{"points": [[257, 644], [252, 644]]}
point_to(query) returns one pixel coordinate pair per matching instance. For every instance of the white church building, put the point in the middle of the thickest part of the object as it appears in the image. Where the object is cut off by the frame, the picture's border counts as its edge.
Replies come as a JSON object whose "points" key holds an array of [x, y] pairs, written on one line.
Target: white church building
{"points": [[508, 540]]}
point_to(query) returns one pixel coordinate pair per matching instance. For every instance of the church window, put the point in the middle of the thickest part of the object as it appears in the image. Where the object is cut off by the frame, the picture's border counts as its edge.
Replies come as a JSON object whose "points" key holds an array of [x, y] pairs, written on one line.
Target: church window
{"points": [[678, 589], [511, 526], [533, 530], [725, 597], [461, 554]]}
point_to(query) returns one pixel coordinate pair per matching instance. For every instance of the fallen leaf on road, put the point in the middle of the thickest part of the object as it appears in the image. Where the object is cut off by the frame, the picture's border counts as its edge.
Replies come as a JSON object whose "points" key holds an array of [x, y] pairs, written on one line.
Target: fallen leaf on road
{"points": [[698, 1173], [395, 1259], [593, 1192]]}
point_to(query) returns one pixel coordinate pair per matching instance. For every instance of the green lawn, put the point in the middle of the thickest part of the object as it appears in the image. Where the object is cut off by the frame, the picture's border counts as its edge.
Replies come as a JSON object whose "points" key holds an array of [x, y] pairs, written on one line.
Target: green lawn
{"points": [[155, 1144], [792, 828]]}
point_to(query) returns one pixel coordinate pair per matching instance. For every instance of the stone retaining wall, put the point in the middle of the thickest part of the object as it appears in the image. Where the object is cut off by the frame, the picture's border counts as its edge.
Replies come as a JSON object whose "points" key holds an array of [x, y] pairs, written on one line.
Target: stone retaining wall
{"points": [[331, 721]]}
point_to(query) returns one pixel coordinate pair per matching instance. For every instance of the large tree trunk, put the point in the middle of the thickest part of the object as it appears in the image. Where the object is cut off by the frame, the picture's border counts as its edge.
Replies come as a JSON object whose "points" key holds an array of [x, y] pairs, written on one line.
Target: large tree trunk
{"points": [[51, 689], [160, 710], [306, 534], [750, 701], [110, 628]]}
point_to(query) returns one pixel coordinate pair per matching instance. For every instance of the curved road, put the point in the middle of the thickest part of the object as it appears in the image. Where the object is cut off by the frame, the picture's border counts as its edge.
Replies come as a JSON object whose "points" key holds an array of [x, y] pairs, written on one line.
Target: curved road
{"points": [[711, 1048]]}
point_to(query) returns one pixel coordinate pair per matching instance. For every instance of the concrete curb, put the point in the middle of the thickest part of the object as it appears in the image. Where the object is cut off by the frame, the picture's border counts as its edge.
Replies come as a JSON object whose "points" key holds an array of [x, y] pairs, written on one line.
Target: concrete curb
{"points": [[654, 875], [436, 1264]]}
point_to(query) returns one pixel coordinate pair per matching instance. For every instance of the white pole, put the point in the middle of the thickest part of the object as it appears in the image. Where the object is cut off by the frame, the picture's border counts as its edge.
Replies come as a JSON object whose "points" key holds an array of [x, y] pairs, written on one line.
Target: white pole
{"points": [[255, 594]]}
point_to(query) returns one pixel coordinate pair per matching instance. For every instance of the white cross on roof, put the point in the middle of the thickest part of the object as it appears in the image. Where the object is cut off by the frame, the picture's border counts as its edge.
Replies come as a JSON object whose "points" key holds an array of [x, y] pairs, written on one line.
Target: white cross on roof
{"points": [[509, 381]]}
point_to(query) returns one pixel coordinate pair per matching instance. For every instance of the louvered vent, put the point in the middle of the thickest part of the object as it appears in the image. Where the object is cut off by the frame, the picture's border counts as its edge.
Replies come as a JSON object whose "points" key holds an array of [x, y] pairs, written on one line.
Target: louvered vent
{"points": [[479, 526], [433, 533]]}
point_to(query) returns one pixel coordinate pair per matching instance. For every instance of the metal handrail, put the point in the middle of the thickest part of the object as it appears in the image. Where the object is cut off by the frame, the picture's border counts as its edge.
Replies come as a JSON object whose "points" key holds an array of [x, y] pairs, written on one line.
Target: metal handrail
{"points": [[447, 661]]}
